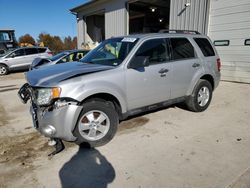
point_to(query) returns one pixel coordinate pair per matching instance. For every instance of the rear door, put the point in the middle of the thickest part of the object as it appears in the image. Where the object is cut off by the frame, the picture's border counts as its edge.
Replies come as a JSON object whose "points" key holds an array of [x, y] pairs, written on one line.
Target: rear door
{"points": [[185, 65], [31, 54], [151, 84]]}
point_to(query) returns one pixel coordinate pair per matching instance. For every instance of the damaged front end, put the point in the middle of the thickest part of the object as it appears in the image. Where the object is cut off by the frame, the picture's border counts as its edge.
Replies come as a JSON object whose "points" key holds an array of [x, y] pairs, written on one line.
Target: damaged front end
{"points": [[53, 116]]}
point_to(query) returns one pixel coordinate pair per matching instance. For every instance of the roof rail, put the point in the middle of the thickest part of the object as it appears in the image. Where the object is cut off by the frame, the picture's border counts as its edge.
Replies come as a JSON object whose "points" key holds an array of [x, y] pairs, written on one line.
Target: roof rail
{"points": [[179, 31]]}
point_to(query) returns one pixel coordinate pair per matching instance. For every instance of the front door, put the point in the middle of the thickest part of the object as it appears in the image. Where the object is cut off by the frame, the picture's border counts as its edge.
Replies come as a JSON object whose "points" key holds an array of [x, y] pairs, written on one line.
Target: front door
{"points": [[16, 59], [151, 84]]}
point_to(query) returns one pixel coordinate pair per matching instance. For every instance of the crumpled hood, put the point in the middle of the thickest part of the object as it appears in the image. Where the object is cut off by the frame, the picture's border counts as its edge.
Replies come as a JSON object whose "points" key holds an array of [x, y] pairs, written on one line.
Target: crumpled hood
{"points": [[51, 75], [39, 62]]}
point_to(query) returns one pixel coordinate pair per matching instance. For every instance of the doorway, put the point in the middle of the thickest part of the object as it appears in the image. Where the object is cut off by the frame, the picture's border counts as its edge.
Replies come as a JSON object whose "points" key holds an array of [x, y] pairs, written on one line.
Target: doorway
{"points": [[148, 16], [95, 27]]}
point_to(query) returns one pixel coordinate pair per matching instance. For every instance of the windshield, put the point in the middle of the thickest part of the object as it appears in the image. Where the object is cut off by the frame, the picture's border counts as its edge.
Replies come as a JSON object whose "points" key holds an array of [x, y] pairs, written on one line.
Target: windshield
{"points": [[110, 52], [58, 56], [4, 36]]}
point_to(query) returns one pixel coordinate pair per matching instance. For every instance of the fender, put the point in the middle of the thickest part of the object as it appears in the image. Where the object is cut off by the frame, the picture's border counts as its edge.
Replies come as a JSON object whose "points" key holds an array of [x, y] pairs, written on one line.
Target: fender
{"points": [[97, 87], [1, 63]]}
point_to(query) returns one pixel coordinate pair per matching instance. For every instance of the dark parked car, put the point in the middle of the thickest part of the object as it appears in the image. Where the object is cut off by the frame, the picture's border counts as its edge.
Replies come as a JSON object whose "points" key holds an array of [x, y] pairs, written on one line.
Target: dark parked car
{"points": [[63, 57]]}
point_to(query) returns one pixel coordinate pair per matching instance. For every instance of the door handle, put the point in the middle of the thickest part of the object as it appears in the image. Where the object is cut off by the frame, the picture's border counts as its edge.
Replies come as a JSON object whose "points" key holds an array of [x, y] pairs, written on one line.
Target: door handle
{"points": [[162, 71], [196, 65]]}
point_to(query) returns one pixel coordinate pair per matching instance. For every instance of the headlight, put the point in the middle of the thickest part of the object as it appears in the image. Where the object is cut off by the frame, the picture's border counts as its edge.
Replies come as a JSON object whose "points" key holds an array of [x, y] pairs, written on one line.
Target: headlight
{"points": [[45, 95]]}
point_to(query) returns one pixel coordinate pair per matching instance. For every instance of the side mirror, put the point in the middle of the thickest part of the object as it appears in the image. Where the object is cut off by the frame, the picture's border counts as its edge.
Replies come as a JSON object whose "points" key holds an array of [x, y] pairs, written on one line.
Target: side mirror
{"points": [[139, 62]]}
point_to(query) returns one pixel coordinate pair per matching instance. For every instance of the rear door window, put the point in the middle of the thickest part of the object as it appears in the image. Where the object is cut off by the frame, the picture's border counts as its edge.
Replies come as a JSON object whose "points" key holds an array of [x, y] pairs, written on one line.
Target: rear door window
{"points": [[156, 50], [205, 46], [41, 50], [31, 51], [181, 49]]}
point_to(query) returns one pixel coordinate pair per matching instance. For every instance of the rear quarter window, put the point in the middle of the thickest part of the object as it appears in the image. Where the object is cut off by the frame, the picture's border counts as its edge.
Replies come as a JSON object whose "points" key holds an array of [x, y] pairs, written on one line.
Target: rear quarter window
{"points": [[181, 49], [205, 47]]}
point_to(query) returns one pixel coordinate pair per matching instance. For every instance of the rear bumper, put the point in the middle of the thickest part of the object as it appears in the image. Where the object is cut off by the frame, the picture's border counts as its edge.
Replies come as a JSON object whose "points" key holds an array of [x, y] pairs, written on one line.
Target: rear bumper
{"points": [[58, 122], [217, 79]]}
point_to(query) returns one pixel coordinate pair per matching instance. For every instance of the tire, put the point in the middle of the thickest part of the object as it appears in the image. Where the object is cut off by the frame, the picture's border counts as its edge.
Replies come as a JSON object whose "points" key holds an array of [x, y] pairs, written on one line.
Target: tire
{"points": [[96, 133], [3, 70], [201, 96]]}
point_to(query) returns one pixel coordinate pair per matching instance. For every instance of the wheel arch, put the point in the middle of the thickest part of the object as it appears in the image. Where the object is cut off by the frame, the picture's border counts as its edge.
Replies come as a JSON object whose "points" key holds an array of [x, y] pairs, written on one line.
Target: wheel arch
{"points": [[1, 63], [207, 77], [106, 97]]}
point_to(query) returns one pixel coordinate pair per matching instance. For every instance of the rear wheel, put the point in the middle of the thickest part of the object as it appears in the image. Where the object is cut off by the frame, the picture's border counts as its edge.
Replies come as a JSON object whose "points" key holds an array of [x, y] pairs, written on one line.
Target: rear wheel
{"points": [[97, 123], [201, 96], [3, 70]]}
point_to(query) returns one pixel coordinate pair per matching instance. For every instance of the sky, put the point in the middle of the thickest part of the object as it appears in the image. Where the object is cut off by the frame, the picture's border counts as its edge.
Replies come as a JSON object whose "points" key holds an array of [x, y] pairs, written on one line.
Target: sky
{"points": [[36, 16]]}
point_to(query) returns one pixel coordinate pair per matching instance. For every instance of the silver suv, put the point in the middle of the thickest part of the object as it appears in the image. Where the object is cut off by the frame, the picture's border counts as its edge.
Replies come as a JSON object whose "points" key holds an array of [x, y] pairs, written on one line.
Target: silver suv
{"points": [[21, 58], [84, 101]]}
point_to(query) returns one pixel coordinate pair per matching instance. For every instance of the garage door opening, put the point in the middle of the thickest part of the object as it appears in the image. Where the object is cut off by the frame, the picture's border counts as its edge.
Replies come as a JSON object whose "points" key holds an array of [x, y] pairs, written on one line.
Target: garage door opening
{"points": [[95, 27], [148, 16]]}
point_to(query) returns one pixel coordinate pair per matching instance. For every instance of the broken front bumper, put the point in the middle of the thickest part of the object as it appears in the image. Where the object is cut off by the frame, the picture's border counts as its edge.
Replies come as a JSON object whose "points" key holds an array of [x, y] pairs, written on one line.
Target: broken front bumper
{"points": [[58, 122], [55, 121]]}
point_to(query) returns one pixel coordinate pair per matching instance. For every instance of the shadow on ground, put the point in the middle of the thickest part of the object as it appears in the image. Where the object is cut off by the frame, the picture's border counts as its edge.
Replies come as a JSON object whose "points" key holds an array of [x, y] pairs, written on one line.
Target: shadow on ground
{"points": [[87, 168]]}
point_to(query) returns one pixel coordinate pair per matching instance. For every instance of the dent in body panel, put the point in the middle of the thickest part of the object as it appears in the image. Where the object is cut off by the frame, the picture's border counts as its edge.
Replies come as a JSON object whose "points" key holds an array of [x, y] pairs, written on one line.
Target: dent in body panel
{"points": [[194, 81], [110, 82]]}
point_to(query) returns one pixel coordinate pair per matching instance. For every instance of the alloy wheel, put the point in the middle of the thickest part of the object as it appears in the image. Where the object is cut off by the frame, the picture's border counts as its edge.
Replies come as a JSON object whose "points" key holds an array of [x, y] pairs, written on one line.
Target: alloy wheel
{"points": [[94, 125], [203, 96], [3, 70]]}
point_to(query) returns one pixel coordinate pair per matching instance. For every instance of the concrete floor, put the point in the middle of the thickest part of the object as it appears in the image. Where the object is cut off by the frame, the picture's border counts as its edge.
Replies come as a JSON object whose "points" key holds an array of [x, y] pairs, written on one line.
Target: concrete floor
{"points": [[167, 148]]}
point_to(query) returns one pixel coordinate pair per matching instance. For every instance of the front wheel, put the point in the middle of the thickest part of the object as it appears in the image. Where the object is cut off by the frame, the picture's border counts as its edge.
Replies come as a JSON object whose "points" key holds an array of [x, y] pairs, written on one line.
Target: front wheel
{"points": [[201, 96], [3, 70], [97, 123]]}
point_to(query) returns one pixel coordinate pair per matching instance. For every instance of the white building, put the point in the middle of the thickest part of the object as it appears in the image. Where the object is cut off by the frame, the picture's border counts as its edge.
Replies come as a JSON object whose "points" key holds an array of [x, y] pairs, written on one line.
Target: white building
{"points": [[227, 22]]}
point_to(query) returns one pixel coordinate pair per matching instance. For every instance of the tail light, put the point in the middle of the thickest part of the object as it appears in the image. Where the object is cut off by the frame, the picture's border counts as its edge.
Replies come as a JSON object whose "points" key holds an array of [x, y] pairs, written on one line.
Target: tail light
{"points": [[50, 53], [218, 64]]}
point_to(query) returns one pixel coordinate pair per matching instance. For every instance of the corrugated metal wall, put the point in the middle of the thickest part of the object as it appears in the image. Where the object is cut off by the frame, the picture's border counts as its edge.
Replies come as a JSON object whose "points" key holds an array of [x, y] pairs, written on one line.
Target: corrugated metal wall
{"points": [[115, 19], [80, 32], [193, 17], [230, 20]]}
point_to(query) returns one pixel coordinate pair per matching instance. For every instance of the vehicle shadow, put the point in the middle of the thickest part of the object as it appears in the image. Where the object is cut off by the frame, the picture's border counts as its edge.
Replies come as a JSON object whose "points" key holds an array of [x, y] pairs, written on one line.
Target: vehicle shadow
{"points": [[87, 168], [18, 71]]}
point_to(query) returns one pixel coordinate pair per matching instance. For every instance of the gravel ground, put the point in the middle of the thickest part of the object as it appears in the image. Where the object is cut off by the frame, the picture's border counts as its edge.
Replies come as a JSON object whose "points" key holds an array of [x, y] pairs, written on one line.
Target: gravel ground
{"points": [[168, 148]]}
